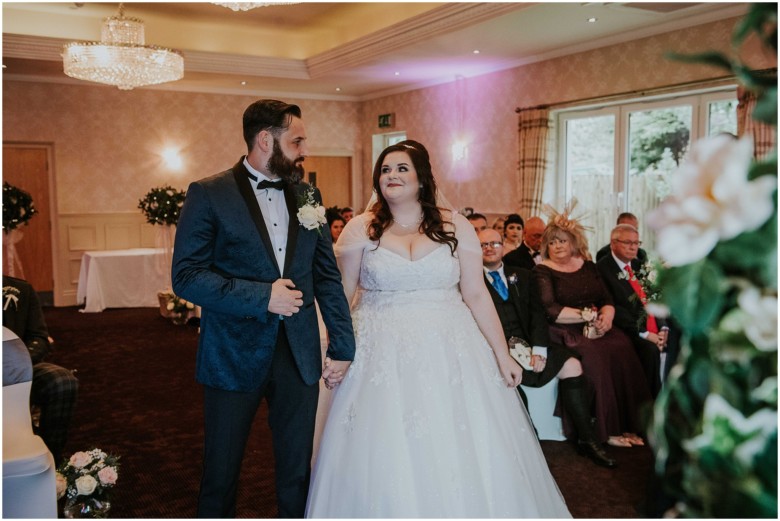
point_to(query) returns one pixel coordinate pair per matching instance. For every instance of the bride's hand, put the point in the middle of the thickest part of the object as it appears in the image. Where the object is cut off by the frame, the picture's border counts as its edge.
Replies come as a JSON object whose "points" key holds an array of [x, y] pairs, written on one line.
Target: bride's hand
{"points": [[510, 371]]}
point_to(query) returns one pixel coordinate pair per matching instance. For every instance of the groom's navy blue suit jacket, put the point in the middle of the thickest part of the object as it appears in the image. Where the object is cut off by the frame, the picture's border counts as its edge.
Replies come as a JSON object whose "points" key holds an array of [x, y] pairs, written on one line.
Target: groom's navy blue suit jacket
{"points": [[223, 261]]}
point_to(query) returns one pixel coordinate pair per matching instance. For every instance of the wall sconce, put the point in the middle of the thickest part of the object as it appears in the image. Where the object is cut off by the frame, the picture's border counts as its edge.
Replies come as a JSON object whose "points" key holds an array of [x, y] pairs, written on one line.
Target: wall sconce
{"points": [[459, 151], [172, 158]]}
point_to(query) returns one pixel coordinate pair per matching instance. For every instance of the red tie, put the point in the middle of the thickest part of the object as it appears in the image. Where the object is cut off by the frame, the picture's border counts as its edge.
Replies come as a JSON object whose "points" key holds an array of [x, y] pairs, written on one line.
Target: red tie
{"points": [[652, 327]]}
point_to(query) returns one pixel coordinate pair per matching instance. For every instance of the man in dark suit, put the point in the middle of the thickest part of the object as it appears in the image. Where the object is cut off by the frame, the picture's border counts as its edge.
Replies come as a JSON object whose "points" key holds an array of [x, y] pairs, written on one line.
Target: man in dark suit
{"points": [[54, 388], [527, 255], [624, 218], [252, 251], [521, 315], [649, 334]]}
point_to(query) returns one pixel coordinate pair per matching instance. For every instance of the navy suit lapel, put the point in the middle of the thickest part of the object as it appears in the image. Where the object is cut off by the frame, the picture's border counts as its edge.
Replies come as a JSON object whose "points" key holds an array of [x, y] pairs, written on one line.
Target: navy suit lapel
{"points": [[248, 194], [290, 197]]}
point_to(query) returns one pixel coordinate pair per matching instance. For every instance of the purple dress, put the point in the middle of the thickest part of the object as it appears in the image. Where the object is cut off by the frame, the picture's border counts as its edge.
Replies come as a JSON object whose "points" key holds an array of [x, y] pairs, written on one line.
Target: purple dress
{"points": [[610, 363]]}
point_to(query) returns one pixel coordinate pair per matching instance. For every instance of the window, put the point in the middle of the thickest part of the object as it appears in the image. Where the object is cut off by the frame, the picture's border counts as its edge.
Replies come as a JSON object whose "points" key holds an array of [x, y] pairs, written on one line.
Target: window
{"points": [[622, 157]]}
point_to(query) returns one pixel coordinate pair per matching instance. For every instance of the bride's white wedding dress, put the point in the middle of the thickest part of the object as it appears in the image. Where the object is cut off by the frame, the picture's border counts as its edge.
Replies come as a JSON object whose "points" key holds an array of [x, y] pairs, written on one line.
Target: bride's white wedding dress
{"points": [[423, 425]]}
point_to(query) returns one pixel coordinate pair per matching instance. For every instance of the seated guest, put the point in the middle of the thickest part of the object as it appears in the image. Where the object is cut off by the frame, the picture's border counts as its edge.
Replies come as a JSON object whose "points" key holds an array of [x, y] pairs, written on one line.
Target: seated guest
{"points": [[478, 221], [573, 296], [347, 213], [522, 316], [624, 218], [513, 232], [619, 271], [498, 225], [527, 255], [54, 388], [336, 224]]}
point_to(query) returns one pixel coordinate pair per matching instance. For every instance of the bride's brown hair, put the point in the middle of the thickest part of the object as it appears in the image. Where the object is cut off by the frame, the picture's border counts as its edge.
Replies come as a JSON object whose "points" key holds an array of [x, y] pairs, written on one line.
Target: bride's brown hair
{"points": [[432, 224]]}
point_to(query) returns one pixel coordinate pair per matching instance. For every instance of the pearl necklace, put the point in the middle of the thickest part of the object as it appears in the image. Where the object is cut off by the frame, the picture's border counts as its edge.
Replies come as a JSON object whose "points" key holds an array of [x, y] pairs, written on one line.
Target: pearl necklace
{"points": [[409, 225]]}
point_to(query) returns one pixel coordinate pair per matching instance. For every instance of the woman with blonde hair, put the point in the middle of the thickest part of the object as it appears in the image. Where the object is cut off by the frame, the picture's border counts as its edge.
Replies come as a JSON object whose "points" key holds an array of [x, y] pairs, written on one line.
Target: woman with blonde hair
{"points": [[580, 311]]}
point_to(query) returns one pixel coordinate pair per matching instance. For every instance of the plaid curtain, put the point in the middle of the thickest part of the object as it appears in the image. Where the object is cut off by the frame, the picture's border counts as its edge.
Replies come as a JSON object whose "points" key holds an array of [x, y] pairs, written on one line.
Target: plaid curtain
{"points": [[763, 135], [533, 129]]}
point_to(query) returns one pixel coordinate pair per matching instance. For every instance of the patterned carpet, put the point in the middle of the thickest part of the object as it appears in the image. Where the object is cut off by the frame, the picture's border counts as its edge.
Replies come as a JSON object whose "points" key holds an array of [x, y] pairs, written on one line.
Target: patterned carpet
{"points": [[139, 400]]}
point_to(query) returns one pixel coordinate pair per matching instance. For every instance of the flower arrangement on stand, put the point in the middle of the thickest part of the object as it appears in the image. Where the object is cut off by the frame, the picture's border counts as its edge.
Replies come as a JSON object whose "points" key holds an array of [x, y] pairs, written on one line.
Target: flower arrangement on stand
{"points": [[162, 205], [176, 308], [86, 479], [714, 428]]}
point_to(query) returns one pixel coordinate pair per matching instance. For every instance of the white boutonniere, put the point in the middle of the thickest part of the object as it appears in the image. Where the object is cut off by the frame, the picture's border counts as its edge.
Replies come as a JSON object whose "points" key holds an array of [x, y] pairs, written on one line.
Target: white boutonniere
{"points": [[512, 280], [311, 215], [10, 294]]}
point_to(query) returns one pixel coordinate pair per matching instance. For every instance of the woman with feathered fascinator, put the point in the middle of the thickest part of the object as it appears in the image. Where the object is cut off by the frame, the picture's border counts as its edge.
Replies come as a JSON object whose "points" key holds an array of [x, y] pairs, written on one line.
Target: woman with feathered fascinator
{"points": [[580, 311]]}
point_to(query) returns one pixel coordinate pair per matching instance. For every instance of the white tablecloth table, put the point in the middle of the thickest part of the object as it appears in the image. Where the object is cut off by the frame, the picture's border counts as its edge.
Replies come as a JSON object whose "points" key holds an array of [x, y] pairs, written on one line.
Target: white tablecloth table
{"points": [[122, 279]]}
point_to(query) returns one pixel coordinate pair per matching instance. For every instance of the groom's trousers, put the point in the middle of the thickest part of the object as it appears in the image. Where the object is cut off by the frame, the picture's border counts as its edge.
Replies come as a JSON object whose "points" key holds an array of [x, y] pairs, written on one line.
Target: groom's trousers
{"points": [[228, 417]]}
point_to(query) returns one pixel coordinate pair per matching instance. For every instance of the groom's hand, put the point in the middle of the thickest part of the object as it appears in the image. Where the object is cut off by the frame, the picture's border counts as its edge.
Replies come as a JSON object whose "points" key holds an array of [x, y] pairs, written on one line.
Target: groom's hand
{"points": [[285, 299], [334, 372]]}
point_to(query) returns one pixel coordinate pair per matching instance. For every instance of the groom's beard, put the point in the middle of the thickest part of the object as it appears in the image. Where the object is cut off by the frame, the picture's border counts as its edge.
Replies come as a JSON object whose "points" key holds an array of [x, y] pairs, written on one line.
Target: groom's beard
{"points": [[286, 169]]}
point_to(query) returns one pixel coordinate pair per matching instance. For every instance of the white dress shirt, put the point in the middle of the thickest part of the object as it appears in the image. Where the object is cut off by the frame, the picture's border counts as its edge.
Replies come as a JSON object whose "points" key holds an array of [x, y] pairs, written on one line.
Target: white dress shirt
{"points": [[275, 215]]}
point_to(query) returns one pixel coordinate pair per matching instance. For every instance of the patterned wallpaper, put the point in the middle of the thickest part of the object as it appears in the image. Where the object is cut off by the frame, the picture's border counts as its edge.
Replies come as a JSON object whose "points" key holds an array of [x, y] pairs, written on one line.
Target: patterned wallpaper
{"points": [[107, 143], [484, 179]]}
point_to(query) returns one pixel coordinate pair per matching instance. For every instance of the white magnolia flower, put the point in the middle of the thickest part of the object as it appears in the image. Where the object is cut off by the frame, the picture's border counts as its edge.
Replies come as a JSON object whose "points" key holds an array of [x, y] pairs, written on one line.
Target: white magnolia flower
{"points": [[760, 320], [711, 200]]}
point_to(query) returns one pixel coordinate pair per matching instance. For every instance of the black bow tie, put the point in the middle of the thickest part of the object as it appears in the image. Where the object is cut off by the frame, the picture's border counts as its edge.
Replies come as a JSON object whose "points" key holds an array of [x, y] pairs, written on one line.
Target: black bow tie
{"points": [[262, 185], [279, 185]]}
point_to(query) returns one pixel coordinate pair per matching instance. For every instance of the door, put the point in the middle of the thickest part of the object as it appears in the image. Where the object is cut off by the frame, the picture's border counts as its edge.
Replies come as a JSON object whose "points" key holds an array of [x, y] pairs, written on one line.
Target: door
{"points": [[27, 167], [332, 175]]}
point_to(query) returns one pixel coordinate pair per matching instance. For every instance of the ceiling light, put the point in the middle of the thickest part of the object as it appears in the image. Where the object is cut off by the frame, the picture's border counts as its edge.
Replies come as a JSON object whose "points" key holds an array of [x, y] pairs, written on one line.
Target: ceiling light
{"points": [[475, 51], [243, 83], [338, 89], [246, 6], [592, 19], [396, 73], [120, 58]]}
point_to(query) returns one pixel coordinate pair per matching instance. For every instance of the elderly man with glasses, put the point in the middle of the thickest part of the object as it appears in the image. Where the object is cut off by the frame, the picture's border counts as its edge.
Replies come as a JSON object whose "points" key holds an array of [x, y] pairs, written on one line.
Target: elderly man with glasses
{"points": [[622, 273]]}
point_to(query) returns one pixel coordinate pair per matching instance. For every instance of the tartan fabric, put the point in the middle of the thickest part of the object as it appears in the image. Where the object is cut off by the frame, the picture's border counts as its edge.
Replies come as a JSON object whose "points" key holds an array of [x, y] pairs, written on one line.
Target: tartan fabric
{"points": [[533, 146], [54, 390], [764, 137]]}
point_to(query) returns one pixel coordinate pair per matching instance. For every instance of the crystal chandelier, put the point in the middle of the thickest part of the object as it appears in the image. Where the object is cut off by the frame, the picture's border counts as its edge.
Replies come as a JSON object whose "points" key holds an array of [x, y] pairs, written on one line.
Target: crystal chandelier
{"points": [[246, 6], [120, 57]]}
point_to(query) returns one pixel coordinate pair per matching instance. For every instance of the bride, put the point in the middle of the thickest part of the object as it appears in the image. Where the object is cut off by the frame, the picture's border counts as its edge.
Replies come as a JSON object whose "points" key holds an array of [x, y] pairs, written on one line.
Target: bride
{"points": [[427, 421]]}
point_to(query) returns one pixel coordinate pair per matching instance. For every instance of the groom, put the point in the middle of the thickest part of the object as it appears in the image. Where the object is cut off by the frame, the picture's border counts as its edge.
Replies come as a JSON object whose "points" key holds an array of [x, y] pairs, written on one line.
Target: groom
{"points": [[243, 256]]}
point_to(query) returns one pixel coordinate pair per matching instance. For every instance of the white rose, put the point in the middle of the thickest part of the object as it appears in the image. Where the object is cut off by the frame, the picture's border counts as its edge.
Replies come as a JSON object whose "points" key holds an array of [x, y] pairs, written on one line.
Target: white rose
{"points": [[711, 200], [85, 485], [309, 217], [169, 307], [760, 319], [190, 305]]}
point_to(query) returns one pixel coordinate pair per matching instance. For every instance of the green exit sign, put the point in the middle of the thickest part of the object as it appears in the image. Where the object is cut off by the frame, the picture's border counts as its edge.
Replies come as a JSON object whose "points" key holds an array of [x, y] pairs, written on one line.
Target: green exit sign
{"points": [[386, 120]]}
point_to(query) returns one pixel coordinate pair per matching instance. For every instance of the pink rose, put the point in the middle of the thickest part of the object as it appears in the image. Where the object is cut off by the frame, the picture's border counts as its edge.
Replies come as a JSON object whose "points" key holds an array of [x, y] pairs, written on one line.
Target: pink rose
{"points": [[62, 485], [108, 475], [80, 460]]}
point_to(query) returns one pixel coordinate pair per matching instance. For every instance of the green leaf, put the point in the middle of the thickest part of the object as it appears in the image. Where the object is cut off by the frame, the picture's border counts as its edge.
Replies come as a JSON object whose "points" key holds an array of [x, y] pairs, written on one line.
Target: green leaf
{"points": [[693, 293], [751, 254], [766, 107]]}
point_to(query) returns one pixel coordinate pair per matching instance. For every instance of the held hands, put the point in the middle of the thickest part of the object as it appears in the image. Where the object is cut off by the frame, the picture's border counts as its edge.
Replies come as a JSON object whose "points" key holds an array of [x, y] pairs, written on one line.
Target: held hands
{"points": [[334, 372], [285, 300], [660, 339], [538, 363]]}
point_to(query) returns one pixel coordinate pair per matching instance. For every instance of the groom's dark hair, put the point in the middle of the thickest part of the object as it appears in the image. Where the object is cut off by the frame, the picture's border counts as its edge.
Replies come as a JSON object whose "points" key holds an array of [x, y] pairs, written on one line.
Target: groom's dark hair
{"points": [[267, 114]]}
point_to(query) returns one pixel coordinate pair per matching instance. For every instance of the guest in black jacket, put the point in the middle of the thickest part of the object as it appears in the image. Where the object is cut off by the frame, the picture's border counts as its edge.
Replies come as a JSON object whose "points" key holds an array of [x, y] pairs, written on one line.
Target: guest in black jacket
{"points": [[624, 218], [527, 255], [54, 388], [621, 272], [521, 315]]}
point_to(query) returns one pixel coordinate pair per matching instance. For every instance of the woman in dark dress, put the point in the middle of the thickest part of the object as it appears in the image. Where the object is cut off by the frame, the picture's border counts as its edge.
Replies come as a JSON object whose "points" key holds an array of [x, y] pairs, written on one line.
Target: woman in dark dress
{"points": [[570, 287]]}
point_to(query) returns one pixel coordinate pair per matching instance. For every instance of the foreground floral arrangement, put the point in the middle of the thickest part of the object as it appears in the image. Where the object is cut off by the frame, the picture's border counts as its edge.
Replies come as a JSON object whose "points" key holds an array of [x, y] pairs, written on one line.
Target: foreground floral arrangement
{"points": [[174, 307], [18, 207], [86, 479], [162, 205], [714, 428]]}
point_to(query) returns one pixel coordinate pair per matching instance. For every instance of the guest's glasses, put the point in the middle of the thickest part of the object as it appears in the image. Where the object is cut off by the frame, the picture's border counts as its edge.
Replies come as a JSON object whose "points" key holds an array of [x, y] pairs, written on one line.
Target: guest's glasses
{"points": [[491, 244], [629, 243]]}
